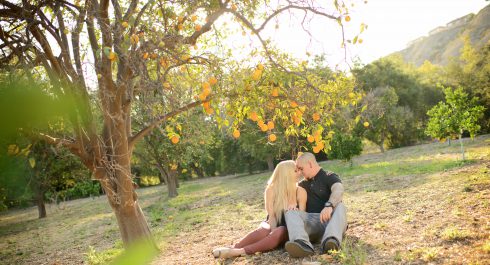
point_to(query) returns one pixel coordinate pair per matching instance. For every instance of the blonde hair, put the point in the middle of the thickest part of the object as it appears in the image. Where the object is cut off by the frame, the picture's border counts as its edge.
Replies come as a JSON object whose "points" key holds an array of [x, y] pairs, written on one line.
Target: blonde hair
{"points": [[283, 185]]}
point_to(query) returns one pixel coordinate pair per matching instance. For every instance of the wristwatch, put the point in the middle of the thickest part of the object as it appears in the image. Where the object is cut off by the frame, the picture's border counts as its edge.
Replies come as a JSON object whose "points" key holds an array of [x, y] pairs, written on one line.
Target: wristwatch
{"points": [[329, 204]]}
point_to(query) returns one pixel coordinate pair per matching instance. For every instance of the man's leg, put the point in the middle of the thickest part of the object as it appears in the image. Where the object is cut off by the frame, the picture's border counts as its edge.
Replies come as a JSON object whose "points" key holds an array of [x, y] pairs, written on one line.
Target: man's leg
{"points": [[299, 244], [336, 227], [295, 221], [314, 227]]}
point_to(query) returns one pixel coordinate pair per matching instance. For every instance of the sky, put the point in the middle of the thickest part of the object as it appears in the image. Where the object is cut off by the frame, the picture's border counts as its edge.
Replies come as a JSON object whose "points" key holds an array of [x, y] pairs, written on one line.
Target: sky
{"points": [[391, 25]]}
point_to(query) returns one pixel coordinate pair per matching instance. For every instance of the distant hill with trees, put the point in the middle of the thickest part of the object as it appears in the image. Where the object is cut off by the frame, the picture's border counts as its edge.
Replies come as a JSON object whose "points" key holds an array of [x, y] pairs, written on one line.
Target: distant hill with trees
{"points": [[445, 42]]}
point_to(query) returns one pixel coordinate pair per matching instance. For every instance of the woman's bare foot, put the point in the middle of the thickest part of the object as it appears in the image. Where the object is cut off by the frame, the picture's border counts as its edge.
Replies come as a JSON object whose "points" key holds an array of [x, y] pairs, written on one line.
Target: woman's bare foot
{"points": [[225, 252]]}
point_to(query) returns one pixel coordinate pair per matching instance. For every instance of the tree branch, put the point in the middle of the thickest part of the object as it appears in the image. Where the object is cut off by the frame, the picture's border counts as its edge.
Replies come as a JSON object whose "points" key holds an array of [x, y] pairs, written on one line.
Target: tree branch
{"points": [[149, 128]]}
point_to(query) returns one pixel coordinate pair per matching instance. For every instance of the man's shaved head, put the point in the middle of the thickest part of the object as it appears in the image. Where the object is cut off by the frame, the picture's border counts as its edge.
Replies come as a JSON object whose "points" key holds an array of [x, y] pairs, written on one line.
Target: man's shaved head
{"points": [[306, 164], [306, 157]]}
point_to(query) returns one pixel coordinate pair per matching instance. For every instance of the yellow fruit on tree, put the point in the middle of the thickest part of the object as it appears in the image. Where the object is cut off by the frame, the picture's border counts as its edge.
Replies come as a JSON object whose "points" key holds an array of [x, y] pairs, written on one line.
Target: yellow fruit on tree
{"points": [[112, 56], [260, 66], [272, 137], [180, 27], [360, 41], [320, 145], [134, 39], [125, 24], [351, 95], [206, 104], [193, 18], [161, 44], [145, 55], [180, 19], [263, 127], [310, 138], [175, 139], [293, 104], [254, 116], [166, 85], [317, 137], [233, 7], [347, 18], [366, 124], [275, 92], [209, 111], [185, 57], [270, 125], [316, 150], [66, 31], [256, 74], [153, 56], [296, 120], [213, 81], [236, 133], [316, 116], [198, 27]]}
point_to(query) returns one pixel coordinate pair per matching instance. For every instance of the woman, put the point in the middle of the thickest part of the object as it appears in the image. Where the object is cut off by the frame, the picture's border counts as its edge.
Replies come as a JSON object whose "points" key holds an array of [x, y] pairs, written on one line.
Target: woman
{"points": [[281, 194]]}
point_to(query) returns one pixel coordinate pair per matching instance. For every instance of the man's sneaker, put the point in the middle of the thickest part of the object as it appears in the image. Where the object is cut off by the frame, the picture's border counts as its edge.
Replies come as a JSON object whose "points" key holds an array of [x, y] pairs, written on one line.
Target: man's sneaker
{"points": [[330, 244], [298, 249]]}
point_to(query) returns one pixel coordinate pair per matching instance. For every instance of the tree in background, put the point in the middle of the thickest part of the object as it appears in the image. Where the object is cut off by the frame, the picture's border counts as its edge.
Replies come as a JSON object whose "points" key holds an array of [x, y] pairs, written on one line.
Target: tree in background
{"points": [[264, 145], [345, 147], [414, 89], [471, 71], [136, 49], [381, 106], [451, 118]]}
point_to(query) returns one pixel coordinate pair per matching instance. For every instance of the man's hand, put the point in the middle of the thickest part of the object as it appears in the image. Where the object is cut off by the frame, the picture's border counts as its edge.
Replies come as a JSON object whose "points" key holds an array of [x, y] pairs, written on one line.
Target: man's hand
{"points": [[326, 214]]}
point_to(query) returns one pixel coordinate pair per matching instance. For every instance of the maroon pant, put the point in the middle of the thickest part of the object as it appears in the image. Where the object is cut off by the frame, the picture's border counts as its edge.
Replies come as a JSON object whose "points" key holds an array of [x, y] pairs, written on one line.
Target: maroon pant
{"points": [[263, 240]]}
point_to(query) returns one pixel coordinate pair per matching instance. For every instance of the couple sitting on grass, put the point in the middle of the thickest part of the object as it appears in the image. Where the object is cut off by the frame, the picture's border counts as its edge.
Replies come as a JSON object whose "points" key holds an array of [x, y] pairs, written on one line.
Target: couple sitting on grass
{"points": [[298, 213]]}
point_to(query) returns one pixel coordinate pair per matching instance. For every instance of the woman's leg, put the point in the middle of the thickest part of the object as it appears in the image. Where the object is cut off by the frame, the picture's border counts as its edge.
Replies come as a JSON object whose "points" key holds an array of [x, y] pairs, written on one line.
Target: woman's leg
{"points": [[252, 237], [277, 237]]}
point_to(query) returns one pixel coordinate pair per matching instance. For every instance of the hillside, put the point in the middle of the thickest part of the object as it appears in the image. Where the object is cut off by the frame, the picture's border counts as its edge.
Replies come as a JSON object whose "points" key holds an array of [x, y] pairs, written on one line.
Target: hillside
{"points": [[412, 205], [445, 42]]}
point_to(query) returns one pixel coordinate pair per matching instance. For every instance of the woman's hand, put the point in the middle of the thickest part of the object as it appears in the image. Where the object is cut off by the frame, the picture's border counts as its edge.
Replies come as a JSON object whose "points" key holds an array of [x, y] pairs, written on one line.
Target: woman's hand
{"points": [[272, 223], [292, 207]]}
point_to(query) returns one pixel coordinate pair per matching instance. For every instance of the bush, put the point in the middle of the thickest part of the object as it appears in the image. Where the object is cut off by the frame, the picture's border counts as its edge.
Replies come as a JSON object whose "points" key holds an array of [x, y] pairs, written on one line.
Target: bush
{"points": [[345, 147], [80, 189], [149, 181]]}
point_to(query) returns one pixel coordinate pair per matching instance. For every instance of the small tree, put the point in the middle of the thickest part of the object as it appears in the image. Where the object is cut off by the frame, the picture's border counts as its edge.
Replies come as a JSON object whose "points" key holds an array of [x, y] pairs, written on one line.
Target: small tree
{"points": [[451, 118], [345, 147]]}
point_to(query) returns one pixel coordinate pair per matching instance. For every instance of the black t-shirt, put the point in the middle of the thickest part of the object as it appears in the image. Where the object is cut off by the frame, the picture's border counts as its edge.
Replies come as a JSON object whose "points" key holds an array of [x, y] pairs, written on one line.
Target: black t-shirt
{"points": [[319, 190]]}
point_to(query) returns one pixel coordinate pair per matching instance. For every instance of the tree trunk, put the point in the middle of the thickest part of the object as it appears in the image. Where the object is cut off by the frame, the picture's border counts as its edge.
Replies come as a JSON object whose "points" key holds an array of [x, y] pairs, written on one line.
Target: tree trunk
{"points": [[270, 163], [163, 174], [172, 185], [41, 207], [132, 224], [382, 142], [461, 143]]}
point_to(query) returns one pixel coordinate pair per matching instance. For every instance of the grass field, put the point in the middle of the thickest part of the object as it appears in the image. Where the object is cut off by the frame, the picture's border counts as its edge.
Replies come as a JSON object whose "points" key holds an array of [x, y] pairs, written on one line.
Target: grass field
{"points": [[413, 205]]}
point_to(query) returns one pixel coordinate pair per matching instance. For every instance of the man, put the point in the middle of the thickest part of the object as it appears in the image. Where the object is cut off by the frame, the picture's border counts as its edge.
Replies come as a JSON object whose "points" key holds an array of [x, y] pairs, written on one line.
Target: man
{"points": [[325, 217]]}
